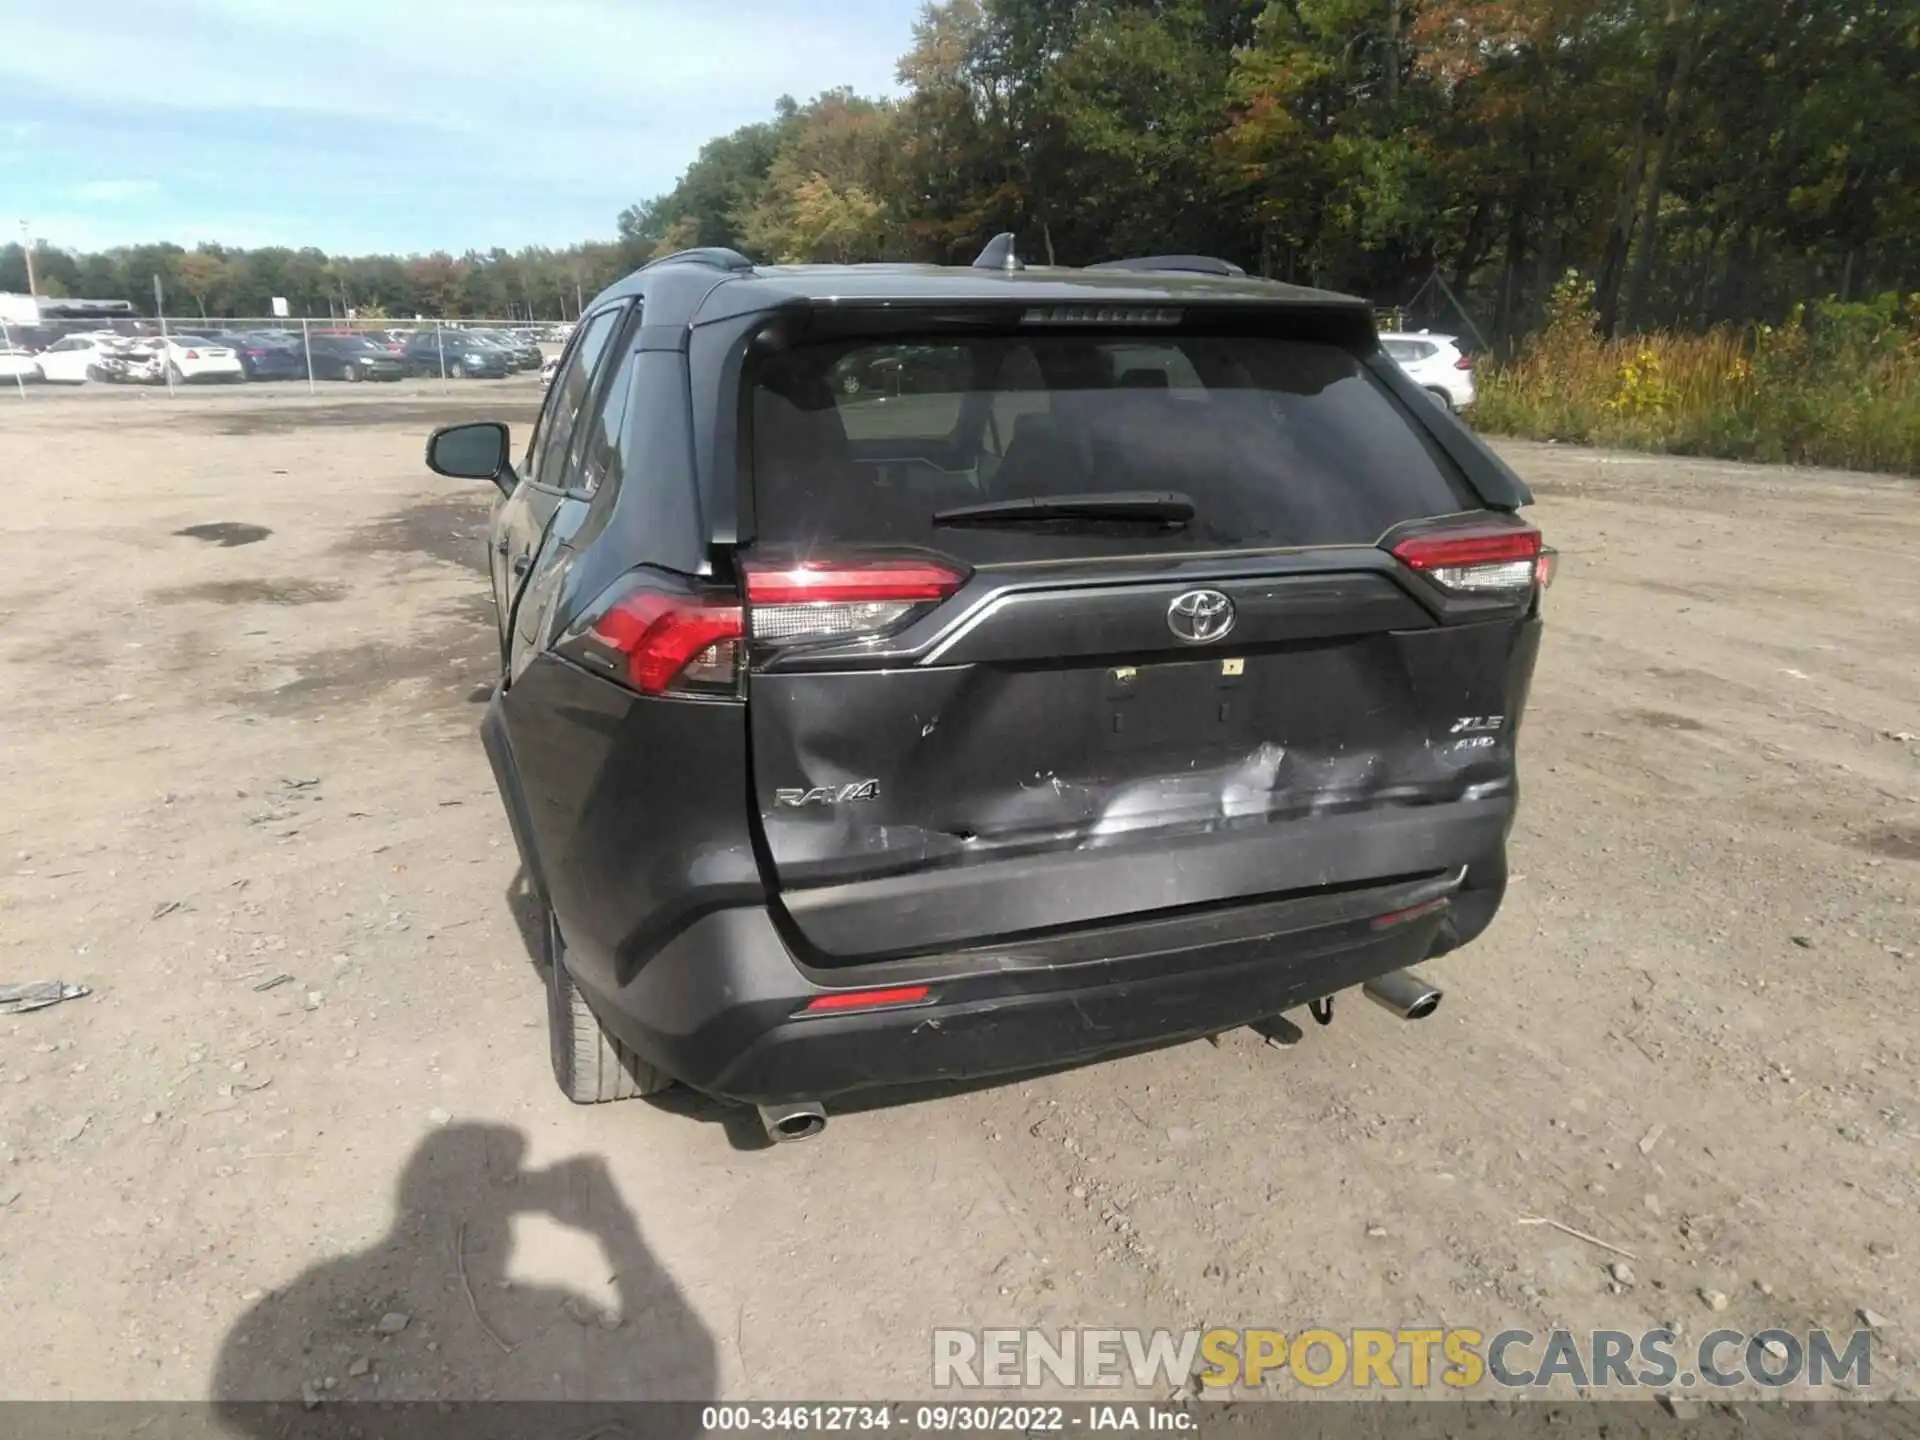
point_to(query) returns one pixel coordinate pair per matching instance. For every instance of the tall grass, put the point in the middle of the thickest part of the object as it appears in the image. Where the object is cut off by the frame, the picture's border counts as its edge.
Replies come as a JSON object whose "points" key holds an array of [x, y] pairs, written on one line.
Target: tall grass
{"points": [[1838, 385]]}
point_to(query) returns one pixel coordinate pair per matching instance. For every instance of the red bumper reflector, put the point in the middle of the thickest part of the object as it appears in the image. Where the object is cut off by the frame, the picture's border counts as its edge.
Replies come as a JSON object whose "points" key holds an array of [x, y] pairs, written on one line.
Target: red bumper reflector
{"points": [[1412, 912], [844, 1000]]}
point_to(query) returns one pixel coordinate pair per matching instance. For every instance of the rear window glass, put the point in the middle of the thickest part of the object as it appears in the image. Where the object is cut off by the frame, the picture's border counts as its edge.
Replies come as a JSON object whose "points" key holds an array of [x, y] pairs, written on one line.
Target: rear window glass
{"points": [[1276, 442]]}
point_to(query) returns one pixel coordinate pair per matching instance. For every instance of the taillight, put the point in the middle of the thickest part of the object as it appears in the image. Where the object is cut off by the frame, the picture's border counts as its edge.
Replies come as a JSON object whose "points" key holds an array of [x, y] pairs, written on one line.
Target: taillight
{"points": [[1465, 362], [193, 354], [666, 643], [825, 600], [1491, 557]]}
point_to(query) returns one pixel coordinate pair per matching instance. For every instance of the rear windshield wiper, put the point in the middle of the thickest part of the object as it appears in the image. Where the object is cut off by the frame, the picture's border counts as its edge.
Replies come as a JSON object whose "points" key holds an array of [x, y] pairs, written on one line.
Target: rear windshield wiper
{"points": [[1164, 507]]}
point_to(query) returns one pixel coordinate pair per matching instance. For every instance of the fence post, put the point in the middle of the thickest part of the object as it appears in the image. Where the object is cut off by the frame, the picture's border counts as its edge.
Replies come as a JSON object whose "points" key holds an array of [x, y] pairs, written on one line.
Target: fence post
{"points": [[166, 353], [6, 343], [306, 347], [440, 346]]}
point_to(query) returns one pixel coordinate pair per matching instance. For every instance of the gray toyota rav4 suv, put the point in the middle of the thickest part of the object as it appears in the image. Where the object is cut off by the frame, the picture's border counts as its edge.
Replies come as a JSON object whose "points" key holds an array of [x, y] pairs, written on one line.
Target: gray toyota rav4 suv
{"points": [[916, 673]]}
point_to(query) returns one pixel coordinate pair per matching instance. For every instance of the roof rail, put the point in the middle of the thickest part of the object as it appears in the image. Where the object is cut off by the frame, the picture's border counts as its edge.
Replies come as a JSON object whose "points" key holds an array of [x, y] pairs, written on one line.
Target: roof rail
{"points": [[999, 254], [716, 256], [1191, 264]]}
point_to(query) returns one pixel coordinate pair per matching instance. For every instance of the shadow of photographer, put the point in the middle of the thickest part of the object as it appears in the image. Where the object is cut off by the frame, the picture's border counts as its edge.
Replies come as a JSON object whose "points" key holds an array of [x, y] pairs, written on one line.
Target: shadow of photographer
{"points": [[430, 1313]]}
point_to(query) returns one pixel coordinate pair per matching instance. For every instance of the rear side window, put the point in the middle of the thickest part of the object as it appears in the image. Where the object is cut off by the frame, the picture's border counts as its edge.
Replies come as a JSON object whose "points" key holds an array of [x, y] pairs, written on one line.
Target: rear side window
{"points": [[548, 453], [1276, 442], [606, 440]]}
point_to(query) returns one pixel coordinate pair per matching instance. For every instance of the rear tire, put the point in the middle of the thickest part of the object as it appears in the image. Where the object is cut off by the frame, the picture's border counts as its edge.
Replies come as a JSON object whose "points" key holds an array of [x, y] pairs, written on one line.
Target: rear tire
{"points": [[591, 1066], [353, 374], [1441, 398]]}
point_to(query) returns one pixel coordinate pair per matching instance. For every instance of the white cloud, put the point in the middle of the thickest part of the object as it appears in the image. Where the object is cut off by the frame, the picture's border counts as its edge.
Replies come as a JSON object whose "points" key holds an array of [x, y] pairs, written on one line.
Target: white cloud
{"points": [[372, 59], [114, 191]]}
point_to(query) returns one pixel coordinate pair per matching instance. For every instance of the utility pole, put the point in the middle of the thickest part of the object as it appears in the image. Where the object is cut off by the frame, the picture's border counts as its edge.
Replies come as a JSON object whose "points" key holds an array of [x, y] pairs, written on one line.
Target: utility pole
{"points": [[26, 249], [1393, 50]]}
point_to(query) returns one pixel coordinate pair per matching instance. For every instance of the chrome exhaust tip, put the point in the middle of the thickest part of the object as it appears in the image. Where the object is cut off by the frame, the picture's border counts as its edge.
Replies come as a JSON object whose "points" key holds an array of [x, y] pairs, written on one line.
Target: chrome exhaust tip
{"points": [[800, 1120], [1404, 993]]}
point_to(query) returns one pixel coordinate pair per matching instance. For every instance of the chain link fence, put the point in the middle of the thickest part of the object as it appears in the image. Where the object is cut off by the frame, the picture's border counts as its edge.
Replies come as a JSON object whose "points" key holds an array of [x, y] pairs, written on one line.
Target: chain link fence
{"points": [[290, 355]]}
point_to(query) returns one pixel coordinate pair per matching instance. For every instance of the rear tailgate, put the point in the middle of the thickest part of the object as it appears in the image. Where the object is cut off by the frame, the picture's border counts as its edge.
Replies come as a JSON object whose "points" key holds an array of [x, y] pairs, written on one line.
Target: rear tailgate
{"points": [[974, 728]]}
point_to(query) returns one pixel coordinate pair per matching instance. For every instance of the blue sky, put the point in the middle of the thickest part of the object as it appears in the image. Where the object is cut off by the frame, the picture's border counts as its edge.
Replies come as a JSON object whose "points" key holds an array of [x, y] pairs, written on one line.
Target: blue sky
{"points": [[393, 125]]}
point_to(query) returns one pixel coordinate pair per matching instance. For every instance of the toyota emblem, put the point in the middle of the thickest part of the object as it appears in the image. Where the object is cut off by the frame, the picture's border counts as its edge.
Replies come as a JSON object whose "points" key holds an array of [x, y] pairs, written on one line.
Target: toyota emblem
{"points": [[1200, 616]]}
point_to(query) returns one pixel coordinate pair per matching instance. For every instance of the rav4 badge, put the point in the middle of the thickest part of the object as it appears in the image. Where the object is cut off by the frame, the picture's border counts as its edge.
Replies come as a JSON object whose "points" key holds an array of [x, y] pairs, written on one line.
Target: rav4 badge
{"points": [[827, 794]]}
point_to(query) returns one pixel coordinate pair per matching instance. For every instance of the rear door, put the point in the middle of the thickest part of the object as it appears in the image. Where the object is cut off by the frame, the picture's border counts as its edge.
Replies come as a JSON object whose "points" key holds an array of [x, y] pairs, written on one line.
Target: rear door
{"points": [[523, 518], [969, 725]]}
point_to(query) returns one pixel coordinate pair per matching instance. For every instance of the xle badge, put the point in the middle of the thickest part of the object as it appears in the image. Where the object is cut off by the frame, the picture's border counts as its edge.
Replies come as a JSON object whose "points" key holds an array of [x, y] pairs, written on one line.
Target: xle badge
{"points": [[828, 794]]}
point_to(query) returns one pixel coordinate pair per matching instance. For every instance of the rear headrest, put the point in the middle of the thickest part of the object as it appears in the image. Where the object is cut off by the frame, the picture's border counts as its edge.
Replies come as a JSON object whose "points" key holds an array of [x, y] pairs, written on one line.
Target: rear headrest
{"points": [[798, 436]]}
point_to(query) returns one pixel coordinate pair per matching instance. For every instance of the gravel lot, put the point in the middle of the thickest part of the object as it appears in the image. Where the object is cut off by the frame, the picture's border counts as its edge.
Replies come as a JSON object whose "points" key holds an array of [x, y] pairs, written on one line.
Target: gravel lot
{"points": [[1691, 1033]]}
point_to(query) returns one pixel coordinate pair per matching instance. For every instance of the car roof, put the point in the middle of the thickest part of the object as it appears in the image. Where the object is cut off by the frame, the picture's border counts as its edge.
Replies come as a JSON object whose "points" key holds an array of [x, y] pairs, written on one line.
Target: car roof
{"points": [[702, 286]]}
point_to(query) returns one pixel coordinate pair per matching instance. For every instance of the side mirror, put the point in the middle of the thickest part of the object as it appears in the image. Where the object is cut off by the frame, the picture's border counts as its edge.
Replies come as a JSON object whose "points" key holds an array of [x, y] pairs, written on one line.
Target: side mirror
{"points": [[476, 451]]}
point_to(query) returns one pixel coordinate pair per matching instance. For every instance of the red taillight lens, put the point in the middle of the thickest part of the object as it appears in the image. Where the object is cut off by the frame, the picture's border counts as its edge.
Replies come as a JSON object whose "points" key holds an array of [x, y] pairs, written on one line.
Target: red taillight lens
{"points": [[1495, 557], [1465, 362], [841, 1001], [830, 601], [673, 643], [193, 354]]}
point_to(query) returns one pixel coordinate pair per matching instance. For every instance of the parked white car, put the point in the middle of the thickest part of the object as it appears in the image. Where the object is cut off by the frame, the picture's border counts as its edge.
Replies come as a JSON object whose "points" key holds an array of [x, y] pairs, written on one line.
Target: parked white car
{"points": [[194, 357], [69, 360], [1435, 363], [18, 364]]}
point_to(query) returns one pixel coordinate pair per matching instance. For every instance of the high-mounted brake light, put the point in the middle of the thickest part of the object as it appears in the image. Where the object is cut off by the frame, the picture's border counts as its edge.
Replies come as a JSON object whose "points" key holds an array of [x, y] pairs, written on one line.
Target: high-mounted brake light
{"points": [[673, 643], [840, 1001], [1102, 315], [825, 600], [1491, 558]]}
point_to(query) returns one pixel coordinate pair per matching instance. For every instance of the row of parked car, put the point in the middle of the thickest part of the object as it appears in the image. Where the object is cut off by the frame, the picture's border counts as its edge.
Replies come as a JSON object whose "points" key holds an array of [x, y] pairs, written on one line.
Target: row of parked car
{"points": [[220, 354]]}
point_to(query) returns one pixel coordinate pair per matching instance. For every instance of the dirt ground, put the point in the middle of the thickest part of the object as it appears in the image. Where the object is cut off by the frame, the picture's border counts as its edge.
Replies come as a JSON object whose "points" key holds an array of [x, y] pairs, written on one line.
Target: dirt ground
{"points": [[237, 754]]}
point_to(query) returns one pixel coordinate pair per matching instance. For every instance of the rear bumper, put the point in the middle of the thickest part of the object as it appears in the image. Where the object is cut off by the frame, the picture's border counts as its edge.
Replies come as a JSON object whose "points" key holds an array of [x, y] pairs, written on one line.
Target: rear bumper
{"points": [[685, 958], [720, 1006]]}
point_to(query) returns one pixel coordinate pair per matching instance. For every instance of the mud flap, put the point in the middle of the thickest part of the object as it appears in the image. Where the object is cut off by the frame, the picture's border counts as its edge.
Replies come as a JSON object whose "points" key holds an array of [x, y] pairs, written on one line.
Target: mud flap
{"points": [[1474, 904]]}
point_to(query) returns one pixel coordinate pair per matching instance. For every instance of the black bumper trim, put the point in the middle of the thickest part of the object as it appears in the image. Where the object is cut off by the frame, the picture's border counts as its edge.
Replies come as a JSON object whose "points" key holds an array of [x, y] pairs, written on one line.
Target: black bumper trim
{"points": [[716, 1007]]}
